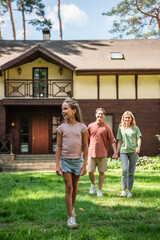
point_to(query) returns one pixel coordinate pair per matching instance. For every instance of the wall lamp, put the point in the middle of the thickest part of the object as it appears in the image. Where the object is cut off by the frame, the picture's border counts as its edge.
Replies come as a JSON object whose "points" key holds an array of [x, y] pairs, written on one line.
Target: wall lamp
{"points": [[19, 70], [12, 124], [60, 70]]}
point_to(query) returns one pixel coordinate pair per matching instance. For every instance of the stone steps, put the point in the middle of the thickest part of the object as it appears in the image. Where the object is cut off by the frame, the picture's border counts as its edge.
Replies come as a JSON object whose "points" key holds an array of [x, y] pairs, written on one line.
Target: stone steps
{"points": [[25, 163]]}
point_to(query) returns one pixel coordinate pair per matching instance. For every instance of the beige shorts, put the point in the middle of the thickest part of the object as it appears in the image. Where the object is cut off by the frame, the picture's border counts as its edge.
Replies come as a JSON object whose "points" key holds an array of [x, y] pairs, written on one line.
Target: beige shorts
{"points": [[101, 163]]}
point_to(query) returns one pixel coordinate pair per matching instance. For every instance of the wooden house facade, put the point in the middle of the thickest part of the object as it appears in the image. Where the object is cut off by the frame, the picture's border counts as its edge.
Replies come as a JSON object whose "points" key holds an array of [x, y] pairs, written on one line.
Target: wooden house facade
{"points": [[36, 76]]}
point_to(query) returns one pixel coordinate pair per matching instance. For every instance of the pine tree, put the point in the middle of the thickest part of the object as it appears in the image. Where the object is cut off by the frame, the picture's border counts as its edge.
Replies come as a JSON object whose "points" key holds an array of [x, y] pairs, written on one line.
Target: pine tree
{"points": [[30, 7], [140, 18], [59, 17], [5, 5]]}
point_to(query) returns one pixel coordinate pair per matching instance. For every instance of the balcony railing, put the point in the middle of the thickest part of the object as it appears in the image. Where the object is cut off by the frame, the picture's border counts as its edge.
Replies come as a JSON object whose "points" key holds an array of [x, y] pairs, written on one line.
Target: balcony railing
{"points": [[6, 144], [28, 88]]}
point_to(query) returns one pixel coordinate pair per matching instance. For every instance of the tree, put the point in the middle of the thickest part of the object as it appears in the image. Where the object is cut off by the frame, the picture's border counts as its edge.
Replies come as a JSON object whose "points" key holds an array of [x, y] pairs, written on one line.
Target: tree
{"points": [[60, 22], [3, 10], [36, 7], [5, 5], [140, 18]]}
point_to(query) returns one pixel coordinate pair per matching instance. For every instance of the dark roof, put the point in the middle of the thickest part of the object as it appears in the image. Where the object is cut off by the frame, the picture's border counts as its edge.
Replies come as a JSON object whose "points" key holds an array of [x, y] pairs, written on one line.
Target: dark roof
{"points": [[33, 53], [142, 54]]}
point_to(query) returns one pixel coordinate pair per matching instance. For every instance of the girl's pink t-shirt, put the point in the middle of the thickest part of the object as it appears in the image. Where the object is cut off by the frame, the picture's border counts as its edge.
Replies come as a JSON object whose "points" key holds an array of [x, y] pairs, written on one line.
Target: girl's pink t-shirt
{"points": [[71, 139]]}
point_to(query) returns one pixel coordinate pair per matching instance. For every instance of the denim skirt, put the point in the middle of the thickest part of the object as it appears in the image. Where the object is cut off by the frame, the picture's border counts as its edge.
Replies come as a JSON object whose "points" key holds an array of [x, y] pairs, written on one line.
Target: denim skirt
{"points": [[71, 165]]}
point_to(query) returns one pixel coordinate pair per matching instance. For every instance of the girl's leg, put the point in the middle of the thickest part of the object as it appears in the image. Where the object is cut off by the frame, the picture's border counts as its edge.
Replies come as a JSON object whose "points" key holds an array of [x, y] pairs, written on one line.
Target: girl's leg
{"points": [[132, 165], [75, 180], [124, 165], [68, 192]]}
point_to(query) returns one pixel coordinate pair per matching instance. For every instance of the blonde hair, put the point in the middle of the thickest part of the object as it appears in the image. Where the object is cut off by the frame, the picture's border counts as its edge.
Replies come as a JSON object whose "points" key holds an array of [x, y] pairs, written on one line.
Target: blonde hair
{"points": [[74, 105], [133, 122]]}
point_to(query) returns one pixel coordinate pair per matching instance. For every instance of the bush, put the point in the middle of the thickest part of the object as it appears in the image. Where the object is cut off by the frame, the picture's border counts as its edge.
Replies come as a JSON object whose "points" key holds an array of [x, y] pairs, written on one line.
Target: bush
{"points": [[149, 162], [113, 163], [142, 163]]}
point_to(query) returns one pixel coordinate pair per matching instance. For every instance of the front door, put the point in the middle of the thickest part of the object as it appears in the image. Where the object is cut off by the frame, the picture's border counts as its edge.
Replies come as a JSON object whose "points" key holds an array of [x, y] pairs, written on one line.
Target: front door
{"points": [[40, 135]]}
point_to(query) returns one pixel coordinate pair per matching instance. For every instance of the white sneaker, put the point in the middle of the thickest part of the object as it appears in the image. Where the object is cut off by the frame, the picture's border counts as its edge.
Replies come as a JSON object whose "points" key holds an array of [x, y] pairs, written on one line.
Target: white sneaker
{"points": [[129, 194], [92, 189], [123, 194], [99, 193], [72, 223]]}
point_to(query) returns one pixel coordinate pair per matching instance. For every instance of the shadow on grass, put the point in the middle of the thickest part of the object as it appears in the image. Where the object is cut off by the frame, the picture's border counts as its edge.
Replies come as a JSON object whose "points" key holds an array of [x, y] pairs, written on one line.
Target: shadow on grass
{"points": [[46, 219], [33, 207]]}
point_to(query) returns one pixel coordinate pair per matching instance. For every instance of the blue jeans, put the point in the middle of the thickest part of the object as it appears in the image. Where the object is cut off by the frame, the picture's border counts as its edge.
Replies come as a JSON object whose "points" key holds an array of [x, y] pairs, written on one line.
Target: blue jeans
{"points": [[128, 163]]}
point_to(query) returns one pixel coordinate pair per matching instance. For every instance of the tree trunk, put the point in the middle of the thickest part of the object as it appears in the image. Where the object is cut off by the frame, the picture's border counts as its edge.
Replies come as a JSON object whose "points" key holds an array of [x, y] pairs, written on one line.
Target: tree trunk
{"points": [[158, 20], [11, 17], [59, 17], [24, 23], [0, 32]]}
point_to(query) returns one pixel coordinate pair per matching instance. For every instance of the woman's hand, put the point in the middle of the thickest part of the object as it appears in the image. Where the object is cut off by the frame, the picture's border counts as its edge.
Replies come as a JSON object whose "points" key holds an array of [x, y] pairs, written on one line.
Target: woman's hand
{"points": [[59, 170], [138, 150], [83, 170], [115, 156]]}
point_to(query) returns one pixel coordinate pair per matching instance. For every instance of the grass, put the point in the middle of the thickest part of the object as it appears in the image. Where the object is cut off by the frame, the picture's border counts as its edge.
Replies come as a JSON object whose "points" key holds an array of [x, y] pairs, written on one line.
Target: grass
{"points": [[32, 207]]}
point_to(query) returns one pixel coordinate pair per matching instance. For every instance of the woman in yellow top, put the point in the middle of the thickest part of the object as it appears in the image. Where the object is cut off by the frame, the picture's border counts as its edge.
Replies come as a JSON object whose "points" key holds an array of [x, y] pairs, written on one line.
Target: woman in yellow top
{"points": [[129, 144]]}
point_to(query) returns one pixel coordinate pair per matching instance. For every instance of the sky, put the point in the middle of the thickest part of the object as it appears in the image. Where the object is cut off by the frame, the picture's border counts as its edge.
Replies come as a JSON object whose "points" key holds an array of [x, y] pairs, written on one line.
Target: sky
{"points": [[81, 20]]}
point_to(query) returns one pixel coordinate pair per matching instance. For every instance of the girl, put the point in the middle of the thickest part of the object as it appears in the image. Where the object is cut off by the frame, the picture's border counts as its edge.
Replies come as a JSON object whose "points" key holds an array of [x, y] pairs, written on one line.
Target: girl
{"points": [[129, 144], [71, 137]]}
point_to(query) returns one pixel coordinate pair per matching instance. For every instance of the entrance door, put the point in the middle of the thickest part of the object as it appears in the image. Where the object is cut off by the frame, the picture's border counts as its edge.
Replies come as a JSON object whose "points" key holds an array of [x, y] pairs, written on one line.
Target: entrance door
{"points": [[40, 135]]}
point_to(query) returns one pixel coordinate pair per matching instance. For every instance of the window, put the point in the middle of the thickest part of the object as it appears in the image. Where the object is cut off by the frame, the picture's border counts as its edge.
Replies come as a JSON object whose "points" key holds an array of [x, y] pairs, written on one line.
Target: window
{"points": [[24, 135], [109, 120], [116, 56], [40, 76]]}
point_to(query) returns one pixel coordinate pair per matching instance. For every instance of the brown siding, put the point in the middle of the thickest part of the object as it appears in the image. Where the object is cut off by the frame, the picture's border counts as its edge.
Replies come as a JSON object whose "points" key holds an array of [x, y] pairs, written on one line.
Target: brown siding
{"points": [[15, 113], [147, 114], [2, 119]]}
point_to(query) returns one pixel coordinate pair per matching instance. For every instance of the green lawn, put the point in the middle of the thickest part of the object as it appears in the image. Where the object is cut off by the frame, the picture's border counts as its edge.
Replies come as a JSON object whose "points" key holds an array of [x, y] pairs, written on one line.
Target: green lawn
{"points": [[32, 207]]}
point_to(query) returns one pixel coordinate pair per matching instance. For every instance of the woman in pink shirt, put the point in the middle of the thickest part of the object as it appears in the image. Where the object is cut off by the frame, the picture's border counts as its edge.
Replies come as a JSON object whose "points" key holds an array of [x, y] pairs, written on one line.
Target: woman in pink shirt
{"points": [[71, 138]]}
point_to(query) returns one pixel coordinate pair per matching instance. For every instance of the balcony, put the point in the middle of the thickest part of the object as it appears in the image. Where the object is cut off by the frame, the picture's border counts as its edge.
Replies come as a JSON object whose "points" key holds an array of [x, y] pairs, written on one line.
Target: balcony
{"points": [[27, 88]]}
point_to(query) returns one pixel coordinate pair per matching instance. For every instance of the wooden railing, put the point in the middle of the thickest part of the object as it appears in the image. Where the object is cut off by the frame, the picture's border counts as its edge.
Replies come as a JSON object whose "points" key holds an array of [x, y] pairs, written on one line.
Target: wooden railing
{"points": [[51, 88], [6, 144]]}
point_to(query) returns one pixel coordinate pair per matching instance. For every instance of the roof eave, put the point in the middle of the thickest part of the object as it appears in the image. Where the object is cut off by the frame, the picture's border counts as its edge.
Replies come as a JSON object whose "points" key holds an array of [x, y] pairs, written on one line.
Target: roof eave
{"points": [[34, 53], [143, 71]]}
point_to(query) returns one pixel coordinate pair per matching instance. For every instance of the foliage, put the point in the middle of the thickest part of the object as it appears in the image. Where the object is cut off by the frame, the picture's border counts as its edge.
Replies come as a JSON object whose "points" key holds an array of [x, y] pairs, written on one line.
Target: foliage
{"points": [[113, 163], [30, 7], [158, 136], [149, 162], [143, 162], [139, 18], [33, 207], [36, 7]]}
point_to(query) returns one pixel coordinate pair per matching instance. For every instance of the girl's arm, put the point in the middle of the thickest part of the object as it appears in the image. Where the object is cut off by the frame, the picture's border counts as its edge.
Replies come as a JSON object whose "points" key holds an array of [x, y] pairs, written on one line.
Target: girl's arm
{"points": [[119, 145], [85, 152], [139, 145], [58, 152]]}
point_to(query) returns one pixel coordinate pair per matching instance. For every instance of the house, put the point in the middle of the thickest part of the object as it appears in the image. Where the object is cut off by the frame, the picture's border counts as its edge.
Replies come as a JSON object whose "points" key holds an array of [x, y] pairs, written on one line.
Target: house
{"points": [[36, 76]]}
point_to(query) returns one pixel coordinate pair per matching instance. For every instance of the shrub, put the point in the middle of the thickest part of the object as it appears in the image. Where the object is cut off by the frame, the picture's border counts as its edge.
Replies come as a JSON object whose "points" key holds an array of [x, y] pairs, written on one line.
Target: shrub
{"points": [[142, 162], [113, 163]]}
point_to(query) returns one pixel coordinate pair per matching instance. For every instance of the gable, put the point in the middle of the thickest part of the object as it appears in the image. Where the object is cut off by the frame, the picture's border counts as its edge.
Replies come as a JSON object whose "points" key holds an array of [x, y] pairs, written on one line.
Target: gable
{"points": [[34, 53]]}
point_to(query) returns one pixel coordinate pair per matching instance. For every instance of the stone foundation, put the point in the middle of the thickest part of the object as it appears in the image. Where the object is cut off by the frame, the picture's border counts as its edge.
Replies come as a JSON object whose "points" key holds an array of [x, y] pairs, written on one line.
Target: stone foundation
{"points": [[6, 159]]}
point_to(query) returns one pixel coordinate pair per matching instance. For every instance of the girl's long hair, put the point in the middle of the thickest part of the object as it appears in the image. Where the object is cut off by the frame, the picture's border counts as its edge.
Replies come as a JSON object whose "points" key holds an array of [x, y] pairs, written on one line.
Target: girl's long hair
{"points": [[133, 122], [74, 105]]}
